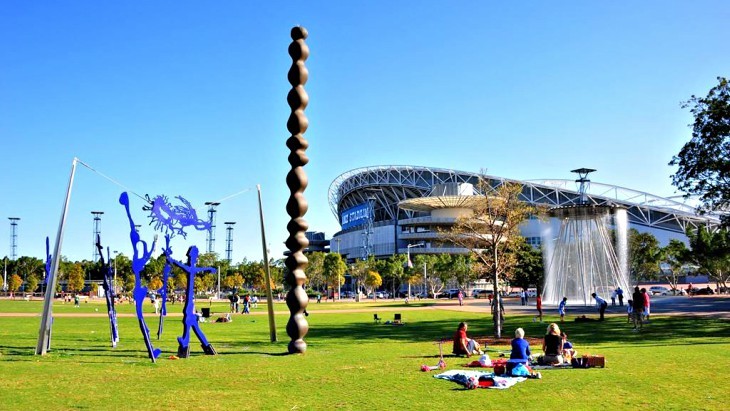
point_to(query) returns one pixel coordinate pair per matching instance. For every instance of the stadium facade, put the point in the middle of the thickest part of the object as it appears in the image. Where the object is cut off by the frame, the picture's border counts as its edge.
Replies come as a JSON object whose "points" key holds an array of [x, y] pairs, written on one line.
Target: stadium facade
{"points": [[383, 210]]}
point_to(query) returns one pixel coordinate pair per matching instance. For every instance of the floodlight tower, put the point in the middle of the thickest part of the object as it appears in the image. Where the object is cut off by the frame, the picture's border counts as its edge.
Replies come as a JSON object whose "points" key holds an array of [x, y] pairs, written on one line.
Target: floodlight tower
{"points": [[229, 240], [366, 243], [13, 237], [97, 222], [210, 241]]}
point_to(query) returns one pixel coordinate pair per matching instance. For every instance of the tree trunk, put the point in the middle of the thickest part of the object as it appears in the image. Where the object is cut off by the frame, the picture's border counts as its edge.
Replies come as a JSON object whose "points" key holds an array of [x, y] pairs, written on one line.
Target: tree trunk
{"points": [[497, 301]]}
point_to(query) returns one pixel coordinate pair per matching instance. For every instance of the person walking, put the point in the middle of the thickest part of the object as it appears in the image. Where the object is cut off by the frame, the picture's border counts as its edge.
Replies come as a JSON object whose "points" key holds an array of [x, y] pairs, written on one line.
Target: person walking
{"points": [[460, 296], [561, 308], [601, 304], [647, 304], [638, 308], [246, 304], [620, 294], [538, 305], [613, 298], [523, 297]]}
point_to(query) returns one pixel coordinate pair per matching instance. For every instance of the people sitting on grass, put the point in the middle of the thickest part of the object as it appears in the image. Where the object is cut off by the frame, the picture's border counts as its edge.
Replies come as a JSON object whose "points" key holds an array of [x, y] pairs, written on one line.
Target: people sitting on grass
{"points": [[568, 350], [464, 345], [520, 353], [552, 346]]}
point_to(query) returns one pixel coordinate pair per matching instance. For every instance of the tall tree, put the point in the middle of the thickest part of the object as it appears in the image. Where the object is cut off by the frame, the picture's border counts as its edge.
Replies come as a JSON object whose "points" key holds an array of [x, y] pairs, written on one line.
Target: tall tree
{"points": [[704, 162], [31, 283], [359, 272], [711, 251], [315, 270], [644, 255], [491, 232], [435, 278], [675, 255], [75, 278], [391, 271], [529, 269], [14, 283], [333, 269], [373, 281]]}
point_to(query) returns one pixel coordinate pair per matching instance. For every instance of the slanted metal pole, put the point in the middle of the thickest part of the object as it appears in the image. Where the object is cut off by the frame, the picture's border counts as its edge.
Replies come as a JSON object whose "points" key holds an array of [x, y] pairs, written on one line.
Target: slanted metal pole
{"points": [[269, 294], [44, 334]]}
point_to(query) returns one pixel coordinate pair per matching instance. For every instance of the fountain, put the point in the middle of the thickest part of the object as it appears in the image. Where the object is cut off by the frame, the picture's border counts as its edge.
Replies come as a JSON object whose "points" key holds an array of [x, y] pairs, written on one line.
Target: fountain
{"points": [[584, 256]]}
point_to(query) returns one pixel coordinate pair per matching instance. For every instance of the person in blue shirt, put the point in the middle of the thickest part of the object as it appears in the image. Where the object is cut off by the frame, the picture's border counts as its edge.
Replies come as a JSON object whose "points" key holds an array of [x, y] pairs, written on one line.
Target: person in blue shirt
{"points": [[520, 351], [561, 308]]}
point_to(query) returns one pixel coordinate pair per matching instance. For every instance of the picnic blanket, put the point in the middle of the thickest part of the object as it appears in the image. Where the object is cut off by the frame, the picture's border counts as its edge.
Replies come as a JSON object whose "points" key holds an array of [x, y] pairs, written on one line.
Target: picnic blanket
{"points": [[478, 379]]}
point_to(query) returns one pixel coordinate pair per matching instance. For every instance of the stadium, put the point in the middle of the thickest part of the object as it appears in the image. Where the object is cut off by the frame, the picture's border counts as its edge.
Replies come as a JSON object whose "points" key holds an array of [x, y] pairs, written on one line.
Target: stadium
{"points": [[386, 210]]}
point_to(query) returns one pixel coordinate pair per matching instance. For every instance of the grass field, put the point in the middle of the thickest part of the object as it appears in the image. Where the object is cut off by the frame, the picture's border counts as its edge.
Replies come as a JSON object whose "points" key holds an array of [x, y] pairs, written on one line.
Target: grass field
{"points": [[351, 363]]}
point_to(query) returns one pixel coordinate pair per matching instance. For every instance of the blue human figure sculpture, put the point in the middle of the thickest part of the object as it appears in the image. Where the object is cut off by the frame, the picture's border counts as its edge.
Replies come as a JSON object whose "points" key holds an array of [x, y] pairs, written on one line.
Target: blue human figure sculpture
{"points": [[108, 285], [138, 263], [165, 278], [190, 320]]}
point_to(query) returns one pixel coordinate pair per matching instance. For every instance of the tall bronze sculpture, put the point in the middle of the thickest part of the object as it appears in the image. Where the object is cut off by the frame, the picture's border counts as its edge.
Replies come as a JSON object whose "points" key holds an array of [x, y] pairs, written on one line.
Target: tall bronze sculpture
{"points": [[296, 180]]}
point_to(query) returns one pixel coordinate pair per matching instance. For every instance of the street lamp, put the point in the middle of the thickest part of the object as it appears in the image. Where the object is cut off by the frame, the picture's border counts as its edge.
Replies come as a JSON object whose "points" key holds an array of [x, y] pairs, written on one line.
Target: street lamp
{"points": [[114, 286], [410, 265], [339, 286]]}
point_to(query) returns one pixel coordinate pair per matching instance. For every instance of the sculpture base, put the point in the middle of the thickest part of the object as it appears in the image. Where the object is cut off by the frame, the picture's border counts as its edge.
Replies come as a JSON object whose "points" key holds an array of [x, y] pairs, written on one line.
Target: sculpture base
{"points": [[183, 352], [208, 349]]}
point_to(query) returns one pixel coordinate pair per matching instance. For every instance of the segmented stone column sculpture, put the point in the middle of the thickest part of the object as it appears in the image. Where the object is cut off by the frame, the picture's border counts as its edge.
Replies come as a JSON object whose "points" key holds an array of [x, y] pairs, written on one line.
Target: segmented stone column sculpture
{"points": [[296, 180]]}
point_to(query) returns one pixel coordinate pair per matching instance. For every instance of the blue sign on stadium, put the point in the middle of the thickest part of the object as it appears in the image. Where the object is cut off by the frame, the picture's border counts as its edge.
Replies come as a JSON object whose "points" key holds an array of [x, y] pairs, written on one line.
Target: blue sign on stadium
{"points": [[355, 216]]}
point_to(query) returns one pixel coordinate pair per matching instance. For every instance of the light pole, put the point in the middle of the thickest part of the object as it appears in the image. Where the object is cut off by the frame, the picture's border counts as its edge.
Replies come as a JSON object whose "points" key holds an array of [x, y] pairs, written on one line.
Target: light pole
{"points": [[410, 265], [5, 275], [114, 287], [339, 287]]}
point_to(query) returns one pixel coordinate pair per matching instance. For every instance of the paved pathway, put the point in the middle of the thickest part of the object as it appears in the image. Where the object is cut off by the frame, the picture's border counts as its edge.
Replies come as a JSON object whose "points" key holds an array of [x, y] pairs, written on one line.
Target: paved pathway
{"points": [[711, 306]]}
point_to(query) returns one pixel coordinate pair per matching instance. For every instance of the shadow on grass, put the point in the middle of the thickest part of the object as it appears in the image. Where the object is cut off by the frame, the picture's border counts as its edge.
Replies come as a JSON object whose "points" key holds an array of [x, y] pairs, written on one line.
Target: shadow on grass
{"points": [[660, 331]]}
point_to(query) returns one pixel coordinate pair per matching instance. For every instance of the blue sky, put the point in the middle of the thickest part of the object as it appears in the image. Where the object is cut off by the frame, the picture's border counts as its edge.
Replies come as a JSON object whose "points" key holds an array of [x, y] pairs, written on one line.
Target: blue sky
{"points": [[189, 98]]}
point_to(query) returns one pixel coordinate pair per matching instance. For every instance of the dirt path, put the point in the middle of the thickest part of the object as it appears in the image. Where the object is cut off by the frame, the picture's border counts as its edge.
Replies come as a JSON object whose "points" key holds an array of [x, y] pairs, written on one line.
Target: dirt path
{"points": [[709, 306]]}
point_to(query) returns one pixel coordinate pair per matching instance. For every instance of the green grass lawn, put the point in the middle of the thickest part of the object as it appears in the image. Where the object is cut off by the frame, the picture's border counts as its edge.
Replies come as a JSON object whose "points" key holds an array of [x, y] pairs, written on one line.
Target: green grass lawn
{"points": [[351, 363]]}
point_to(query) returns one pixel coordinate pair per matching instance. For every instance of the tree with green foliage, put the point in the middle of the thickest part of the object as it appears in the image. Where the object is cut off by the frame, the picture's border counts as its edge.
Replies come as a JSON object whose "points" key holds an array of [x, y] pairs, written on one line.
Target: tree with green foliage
{"points": [[711, 251], [461, 267], [435, 277], [155, 284], [491, 232], [529, 269], [372, 282], [31, 283], [675, 255], [333, 270], [75, 278], [315, 269], [391, 271], [644, 256], [359, 272], [14, 283], [704, 162]]}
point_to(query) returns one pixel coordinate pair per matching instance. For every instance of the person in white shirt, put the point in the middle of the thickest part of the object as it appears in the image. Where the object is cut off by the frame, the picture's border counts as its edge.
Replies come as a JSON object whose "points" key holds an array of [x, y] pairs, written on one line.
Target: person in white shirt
{"points": [[601, 304]]}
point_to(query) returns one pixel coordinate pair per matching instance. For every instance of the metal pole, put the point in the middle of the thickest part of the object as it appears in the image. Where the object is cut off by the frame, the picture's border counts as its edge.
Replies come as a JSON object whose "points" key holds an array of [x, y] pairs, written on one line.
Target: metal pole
{"points": [[218, 295], [44, 333], [339, 286], [425, 286], [116, 253], [269, 294], [5, 275]]}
